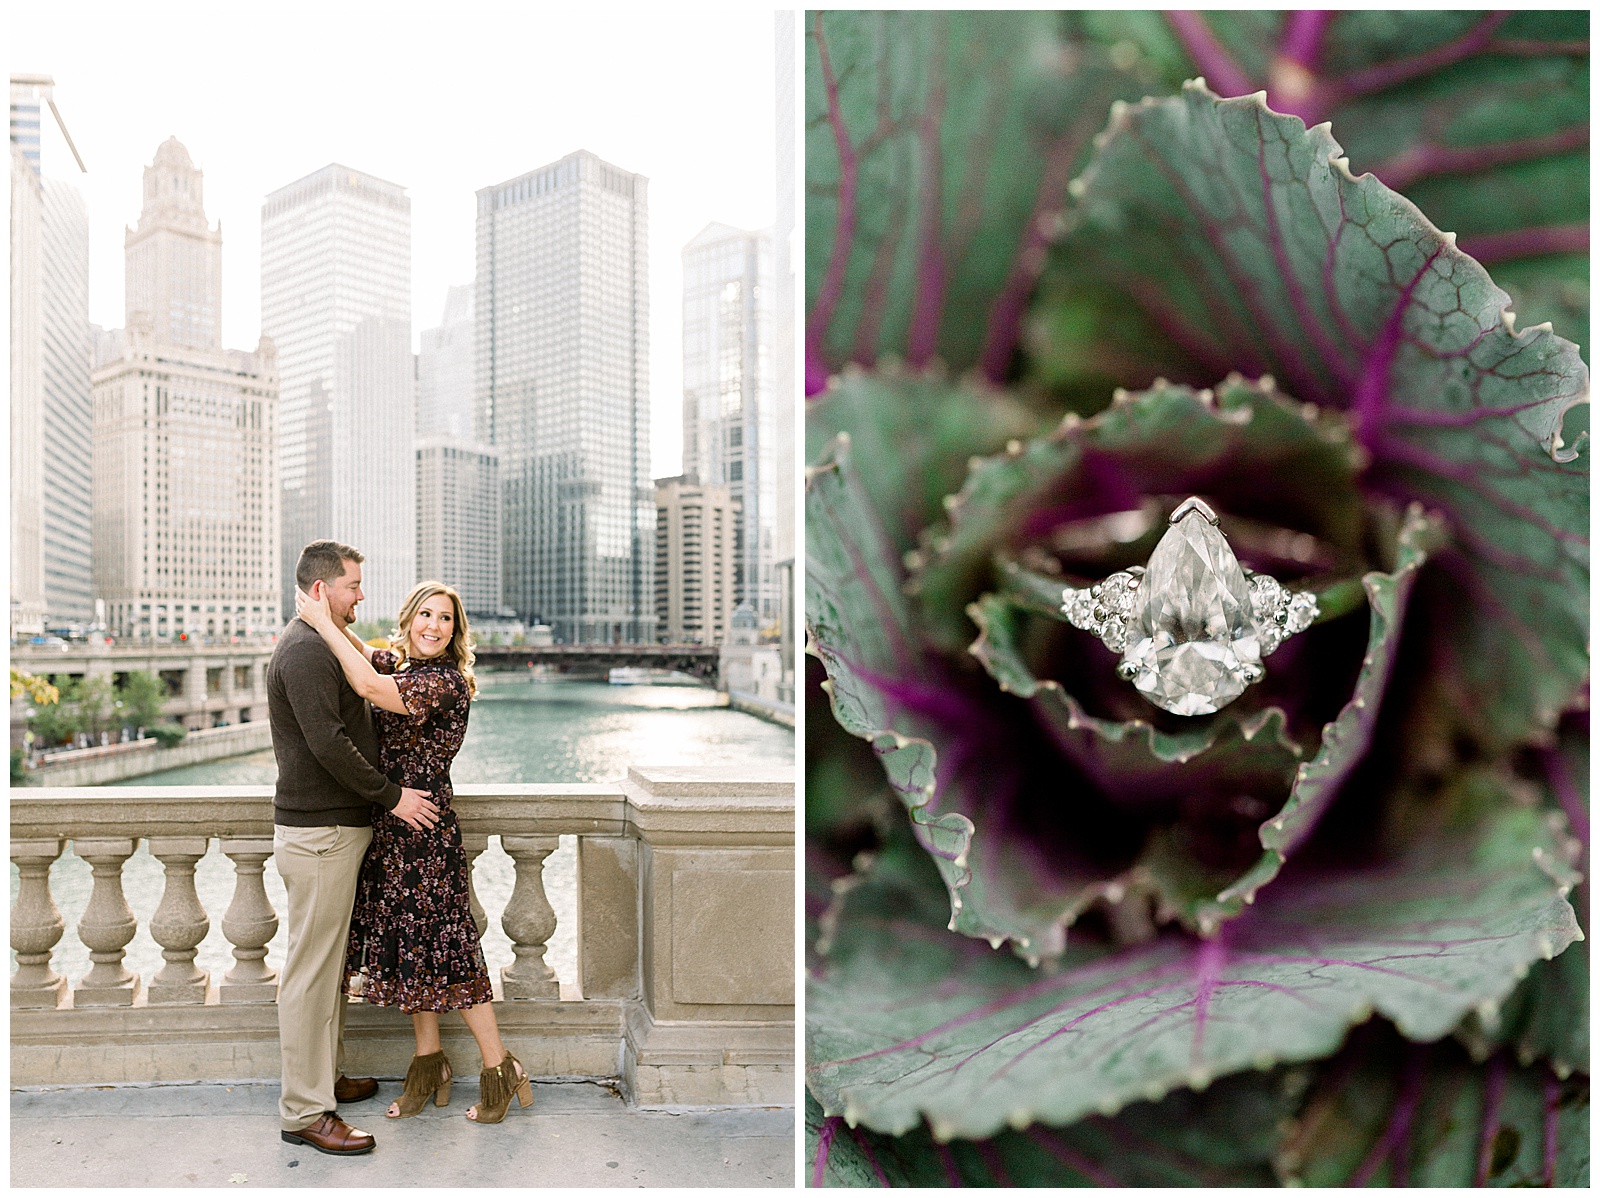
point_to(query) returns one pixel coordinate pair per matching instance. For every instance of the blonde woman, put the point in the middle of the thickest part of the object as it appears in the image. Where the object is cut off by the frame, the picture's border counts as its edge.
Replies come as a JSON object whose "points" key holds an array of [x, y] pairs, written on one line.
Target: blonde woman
{"points": [[412, 940]]}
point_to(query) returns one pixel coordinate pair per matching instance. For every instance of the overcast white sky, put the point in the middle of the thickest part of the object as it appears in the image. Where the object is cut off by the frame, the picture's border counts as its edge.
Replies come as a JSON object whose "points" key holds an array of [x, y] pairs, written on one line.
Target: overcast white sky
{"points": [[442, 100]]}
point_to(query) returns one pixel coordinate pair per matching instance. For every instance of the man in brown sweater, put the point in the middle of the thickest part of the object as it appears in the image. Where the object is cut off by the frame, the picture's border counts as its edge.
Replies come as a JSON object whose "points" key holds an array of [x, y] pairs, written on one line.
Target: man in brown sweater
{"points": [[328, 782]]}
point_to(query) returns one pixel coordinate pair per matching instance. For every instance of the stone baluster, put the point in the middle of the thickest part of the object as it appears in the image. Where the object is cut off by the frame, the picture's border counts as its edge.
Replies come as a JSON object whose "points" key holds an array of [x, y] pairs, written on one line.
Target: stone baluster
{"points": [[106, 927], [36, 926], [249, 924], [180, 922], [474, 847], [529, 920]]}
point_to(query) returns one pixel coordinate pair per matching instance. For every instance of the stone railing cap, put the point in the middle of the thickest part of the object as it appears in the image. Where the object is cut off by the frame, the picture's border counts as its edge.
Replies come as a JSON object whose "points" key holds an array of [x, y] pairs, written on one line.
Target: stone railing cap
{"points": [[764, 782]]}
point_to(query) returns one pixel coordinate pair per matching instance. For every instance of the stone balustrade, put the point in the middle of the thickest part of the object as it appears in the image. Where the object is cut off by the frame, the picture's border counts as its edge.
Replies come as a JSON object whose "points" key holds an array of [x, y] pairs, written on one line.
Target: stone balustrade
{"points": [[685, 938]]}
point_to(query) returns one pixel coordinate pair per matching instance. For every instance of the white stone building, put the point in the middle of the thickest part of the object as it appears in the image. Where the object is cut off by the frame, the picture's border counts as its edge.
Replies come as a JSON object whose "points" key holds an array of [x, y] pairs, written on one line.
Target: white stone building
{"points": [[185, 506], [561, 382], [696, 537], [173, 278], [458, 519], [336, 301], [730, 426], [746, 668]]}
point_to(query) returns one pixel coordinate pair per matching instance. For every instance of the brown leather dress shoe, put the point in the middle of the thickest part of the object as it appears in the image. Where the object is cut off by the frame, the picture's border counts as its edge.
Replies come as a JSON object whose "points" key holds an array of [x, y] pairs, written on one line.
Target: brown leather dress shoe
{"points": [[332, 1135], [354, 1089]]}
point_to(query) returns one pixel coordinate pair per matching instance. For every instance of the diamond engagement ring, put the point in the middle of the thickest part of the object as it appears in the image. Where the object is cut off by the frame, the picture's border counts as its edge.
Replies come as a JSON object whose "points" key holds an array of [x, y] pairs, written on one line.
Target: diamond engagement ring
{"points": [[1192, 624]]}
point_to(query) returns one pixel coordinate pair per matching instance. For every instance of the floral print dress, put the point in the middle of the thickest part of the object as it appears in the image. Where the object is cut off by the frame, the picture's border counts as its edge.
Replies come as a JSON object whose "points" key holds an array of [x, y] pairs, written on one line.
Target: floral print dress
{"points": [[412, 940]]}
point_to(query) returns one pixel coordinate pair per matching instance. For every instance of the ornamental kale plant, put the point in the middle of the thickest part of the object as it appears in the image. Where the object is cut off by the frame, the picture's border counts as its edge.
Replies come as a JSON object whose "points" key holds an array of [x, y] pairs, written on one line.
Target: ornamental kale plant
{"points": [[1064, 273]]}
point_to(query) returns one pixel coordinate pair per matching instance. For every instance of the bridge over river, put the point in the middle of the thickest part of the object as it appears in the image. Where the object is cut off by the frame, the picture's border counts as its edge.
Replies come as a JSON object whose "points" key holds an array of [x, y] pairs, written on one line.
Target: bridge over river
{"points": [[700, 661]]}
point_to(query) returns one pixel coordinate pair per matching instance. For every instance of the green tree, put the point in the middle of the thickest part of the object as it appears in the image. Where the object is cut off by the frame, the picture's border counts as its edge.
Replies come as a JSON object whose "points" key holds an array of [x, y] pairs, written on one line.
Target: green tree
{"points": [[85, 705], [97, 701], [142, 695], [60, 721]]}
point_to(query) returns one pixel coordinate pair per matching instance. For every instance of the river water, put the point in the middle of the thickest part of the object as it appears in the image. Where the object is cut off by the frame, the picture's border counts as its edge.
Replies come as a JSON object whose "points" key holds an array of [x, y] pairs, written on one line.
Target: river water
{"points": [[521, 730]]}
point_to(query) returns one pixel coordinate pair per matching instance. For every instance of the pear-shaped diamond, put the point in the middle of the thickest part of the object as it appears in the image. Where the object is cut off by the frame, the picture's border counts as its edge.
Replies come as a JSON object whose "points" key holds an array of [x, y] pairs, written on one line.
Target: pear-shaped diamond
{"points": [[1192, 645]]}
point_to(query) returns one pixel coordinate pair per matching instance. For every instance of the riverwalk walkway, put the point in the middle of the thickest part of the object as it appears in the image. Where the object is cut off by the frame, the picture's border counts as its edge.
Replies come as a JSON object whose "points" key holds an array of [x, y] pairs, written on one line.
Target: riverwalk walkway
{"points": [[577, 1134]]}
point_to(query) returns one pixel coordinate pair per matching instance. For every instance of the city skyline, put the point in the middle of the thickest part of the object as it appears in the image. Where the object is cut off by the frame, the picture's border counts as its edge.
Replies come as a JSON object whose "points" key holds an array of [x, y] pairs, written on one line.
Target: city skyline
{"points": [[351, 96]]}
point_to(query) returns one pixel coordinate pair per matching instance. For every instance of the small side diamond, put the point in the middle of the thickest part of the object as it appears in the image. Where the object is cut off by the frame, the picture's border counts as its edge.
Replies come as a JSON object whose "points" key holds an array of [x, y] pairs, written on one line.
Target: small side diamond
{"points": [[1078, 607], [1116, 593], [1302, 611], [1115, 634], [1269, 635], [1267, 598]]}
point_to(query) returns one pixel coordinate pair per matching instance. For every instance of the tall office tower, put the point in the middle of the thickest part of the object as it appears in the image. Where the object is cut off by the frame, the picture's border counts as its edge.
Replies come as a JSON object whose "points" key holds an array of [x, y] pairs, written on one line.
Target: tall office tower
{"points": [[174, 258], [27, 364], [68, 438], [185, 502], [444, 372], [695, 552], [561, 383], [50, 435], [336, 301], [458, 519], [729, 400]]}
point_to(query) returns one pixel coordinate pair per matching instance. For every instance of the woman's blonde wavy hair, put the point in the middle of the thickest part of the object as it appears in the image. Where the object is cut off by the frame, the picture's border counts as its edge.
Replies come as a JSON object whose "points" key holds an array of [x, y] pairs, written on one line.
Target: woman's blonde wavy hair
{"points": [[461, 644]]}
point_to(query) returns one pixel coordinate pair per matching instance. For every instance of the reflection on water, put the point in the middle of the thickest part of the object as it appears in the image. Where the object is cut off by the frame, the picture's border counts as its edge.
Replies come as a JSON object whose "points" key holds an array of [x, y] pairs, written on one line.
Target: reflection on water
{"points": [[521, 730]]}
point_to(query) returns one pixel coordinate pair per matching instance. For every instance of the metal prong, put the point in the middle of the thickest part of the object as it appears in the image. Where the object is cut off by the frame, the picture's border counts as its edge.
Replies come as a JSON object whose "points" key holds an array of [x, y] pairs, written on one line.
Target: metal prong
{"points": [[1127, 671], [1251, 672], [1193, 504]]}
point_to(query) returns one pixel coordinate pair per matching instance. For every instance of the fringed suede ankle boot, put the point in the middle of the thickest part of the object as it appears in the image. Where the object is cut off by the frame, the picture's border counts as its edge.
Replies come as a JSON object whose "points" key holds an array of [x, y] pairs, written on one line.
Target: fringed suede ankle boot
{"points": [[496, 1087], [427, 1075]]}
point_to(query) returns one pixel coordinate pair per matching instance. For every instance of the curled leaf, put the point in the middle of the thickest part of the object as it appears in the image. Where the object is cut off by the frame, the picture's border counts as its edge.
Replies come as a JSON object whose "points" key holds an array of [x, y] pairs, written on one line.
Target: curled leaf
{"points": [[904, 1025]]}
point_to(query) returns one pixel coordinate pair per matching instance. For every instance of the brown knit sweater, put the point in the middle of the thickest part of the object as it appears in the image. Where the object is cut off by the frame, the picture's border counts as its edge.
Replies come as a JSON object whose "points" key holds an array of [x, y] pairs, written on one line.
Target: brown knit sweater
{"points": [[322, 736]]}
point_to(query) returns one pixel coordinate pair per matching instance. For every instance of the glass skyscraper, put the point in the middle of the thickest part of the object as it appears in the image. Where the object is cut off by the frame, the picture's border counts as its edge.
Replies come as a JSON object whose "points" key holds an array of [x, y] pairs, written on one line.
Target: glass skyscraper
{"points": [[67, 440], [50, 390], [561, 381], [730, 434], [336, 301], [27, 365]]}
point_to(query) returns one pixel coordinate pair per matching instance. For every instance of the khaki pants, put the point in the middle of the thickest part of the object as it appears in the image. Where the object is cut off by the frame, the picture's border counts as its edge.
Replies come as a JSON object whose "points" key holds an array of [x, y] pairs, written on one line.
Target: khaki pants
{"points": [[319, 868]]}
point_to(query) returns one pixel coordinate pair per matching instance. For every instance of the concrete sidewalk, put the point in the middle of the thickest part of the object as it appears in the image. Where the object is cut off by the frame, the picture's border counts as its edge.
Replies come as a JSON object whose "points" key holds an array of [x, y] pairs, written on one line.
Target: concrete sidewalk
{"points": [[575, 1134]]}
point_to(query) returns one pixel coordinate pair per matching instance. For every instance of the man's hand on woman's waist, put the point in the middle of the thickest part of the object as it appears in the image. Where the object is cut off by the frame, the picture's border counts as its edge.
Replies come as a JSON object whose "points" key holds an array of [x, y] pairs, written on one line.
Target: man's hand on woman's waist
{"points": [[416, 808]]}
